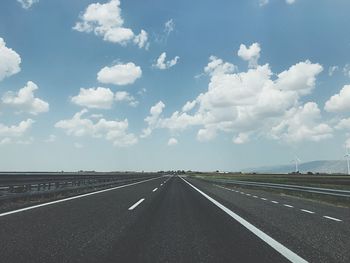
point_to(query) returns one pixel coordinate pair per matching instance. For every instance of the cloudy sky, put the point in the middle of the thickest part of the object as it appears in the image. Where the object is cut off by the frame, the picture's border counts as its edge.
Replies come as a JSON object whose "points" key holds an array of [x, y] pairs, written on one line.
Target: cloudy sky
{"points": [[140, 85]]}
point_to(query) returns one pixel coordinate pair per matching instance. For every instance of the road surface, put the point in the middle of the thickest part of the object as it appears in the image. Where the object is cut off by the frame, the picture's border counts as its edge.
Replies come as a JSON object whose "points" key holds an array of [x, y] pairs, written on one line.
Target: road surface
{"points": [[174, 219]]}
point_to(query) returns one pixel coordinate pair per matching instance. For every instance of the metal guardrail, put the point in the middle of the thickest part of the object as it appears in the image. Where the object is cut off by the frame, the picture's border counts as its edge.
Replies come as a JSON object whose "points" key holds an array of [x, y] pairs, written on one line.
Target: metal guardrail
{"points": [[300, 188], [23, 186]]}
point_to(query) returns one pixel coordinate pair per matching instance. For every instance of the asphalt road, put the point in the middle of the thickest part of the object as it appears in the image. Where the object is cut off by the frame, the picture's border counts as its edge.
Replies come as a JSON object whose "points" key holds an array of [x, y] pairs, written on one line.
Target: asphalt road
{"points": [[170, 220]]}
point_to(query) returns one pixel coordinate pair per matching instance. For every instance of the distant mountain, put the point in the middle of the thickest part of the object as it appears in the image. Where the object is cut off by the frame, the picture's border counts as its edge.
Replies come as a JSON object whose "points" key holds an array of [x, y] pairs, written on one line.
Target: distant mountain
{"points": [[326, 166]]}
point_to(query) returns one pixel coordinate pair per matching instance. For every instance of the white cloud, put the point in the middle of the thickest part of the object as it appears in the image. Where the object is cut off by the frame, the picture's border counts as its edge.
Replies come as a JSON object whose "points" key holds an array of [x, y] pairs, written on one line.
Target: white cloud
{"points": [[105, 20], [252, 102], [16, 130], [263, 2], [217, 66], [189, 105], [169, 26], [102, 98], [141, 40], [114, 131], [162, 64], [51, 138], [339, 102], [301, 123], [153, 118], [332, 69], [25, 101], [26, 4], [172, 142], [97, 98], [300, 77], [123, 96], [241, 138], [250, 54], [344, 124], [346, 70], [120, 74], [206, 134], [10, 61]]}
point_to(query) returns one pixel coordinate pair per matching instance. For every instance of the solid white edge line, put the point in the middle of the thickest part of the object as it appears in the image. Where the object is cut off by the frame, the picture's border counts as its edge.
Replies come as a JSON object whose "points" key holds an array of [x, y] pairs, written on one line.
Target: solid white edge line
{"points": [[333, 218], [136, 204], [73, 197], [284, 251], [155, 189]]}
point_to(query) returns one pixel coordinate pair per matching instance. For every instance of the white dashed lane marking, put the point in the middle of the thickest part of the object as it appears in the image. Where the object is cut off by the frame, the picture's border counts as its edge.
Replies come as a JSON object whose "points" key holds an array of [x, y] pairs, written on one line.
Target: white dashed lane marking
{"points": [[155, 189], [333, 218], [275, 202], [136, 204]]}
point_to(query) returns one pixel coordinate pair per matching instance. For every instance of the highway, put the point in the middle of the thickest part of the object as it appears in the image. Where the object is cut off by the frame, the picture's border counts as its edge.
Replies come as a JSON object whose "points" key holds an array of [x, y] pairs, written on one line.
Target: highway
{"points": [[176, 219]]}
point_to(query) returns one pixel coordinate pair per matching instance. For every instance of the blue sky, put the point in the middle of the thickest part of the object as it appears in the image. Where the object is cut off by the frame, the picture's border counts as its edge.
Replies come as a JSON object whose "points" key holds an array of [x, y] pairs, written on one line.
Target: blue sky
{"points": [[134, 85]]}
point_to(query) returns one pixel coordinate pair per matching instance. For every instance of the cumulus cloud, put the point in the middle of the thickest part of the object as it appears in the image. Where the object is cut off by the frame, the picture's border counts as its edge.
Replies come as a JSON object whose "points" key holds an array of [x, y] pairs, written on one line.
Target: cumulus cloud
{"points": [[105, 20], [300, 77], [189, 105], [97, 98], [250, 54], [163, 64], [241, 138], [153, 118], [26, 4], [24, 100], [113, 131], [343, 124], [301, 123], [10, 61], [14, 133], [252, 102], [16, 130], [141, 40], [339, 102], [172, 142], [123, 96], [120, 74]]}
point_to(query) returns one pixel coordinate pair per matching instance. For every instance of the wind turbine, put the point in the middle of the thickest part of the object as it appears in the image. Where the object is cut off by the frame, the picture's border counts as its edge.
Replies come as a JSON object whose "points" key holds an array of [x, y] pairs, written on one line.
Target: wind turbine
{"points": [[296, 160], [347, 156]]}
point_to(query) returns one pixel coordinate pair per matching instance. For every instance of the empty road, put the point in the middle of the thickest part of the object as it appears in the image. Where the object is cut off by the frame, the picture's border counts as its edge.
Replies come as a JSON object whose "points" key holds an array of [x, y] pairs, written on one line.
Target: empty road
{"points": [[176, 219]]}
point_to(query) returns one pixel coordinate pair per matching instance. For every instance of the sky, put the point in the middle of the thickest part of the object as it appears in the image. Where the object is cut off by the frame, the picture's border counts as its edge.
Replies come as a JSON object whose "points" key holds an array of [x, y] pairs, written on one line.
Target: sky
{"points": [[166, 85]]}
